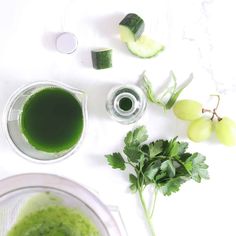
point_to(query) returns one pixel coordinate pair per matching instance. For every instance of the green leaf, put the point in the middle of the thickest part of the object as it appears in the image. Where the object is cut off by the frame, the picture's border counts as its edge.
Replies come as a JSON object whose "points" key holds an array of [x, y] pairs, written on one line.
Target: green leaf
{"points": [[182, 147], [196, 165], [184, 156], [174, 148], [136, 137], [134, 184], [151, 170], [168, 167], [159, 177], [145, 149], [116, 161], [168, 147], [163, 165], [155, 148], [172, 186], [133, 154]]}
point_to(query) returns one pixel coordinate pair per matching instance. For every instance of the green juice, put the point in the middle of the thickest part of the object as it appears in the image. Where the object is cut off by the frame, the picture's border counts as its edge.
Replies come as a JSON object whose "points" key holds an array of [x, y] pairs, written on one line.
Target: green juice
{"points": [[54, 221], [52, 120], [125, 104]]}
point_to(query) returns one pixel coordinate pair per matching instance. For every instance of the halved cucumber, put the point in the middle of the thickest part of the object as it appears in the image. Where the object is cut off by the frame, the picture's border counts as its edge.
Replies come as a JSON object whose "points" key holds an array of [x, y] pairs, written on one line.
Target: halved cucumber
{"points": [[145, 47], [131, 28], [102, 58]]}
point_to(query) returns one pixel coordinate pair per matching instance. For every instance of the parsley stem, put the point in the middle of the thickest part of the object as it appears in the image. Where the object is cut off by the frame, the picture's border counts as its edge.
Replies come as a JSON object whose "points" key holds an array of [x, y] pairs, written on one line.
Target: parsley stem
{"points": [[153, 203], [129, 163], [146, 213]]}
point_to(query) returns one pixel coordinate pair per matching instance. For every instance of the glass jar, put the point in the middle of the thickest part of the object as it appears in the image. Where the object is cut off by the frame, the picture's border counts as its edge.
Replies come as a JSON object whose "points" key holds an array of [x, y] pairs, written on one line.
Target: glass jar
{"points": [[126, 103]]}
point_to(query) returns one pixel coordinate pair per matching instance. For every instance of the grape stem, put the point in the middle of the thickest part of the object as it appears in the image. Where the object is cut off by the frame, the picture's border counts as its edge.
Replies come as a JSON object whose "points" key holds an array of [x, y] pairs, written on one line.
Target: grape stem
{"points": [[213, 112], [206, 110], [218, 101]]}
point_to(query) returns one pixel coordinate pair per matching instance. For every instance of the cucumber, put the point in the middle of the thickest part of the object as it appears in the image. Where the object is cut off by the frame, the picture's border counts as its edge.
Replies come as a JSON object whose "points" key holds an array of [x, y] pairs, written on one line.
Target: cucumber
{"points": [[102, 58], [145, 47], [131, 28]]}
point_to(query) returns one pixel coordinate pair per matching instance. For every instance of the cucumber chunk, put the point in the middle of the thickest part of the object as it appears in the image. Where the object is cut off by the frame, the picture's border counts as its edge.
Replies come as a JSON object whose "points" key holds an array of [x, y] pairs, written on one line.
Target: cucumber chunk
{"points": [[145, 47], [102, 58], [131, 28]]}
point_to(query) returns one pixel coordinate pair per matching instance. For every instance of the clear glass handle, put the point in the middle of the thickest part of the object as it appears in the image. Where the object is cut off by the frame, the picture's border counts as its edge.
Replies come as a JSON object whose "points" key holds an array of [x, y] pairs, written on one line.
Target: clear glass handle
{"points": [[118, 218]]}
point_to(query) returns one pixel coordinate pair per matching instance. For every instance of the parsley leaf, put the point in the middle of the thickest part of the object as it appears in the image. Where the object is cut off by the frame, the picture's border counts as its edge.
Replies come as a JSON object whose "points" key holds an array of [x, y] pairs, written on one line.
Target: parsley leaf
{"points": [[133, 154], [151, 170], [182, 147], [134, 185], [163, 164], [136, 137], [172, 186], [155, 148], [168, 167], [116, 161], [195, 164]]}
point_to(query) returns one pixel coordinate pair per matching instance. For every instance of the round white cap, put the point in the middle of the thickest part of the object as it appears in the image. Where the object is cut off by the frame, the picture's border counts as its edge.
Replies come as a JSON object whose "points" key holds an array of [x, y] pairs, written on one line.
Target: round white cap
{"points": [[66, 43]]}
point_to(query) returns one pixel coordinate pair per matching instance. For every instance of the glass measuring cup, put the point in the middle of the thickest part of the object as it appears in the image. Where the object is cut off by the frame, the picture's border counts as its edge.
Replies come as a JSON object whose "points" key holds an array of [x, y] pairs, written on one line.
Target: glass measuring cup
{"points": [[21, 196], [13, 129]]}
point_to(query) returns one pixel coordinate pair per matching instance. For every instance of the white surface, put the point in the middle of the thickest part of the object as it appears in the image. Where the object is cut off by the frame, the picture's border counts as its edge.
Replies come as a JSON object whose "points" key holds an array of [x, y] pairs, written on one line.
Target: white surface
{"points": [[197, 40]]}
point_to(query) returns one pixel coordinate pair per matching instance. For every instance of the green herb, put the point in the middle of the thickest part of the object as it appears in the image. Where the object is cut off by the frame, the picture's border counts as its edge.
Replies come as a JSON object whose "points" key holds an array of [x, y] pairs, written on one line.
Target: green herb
{"points": [[172, 91], [163, 164]]}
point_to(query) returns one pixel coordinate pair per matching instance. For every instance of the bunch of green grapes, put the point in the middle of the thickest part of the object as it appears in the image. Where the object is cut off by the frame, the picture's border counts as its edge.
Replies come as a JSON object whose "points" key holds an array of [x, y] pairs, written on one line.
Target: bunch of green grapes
{"points": [[201, 127]]}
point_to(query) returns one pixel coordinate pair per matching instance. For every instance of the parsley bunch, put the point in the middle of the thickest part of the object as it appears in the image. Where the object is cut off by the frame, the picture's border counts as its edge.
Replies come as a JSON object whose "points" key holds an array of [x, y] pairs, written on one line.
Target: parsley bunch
{"points": [[163, 164]]}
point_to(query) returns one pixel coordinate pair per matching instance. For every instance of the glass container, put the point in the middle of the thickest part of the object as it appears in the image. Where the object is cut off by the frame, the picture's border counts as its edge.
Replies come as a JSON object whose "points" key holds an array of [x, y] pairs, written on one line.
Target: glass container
{"points": [[23, 195], [12, 126], [126, 103]]}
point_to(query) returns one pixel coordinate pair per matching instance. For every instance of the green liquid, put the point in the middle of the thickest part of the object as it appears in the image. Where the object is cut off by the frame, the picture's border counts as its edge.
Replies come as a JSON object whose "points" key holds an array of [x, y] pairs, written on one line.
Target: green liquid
{"points": [[52, 120], [54, 221], [125, 104], [45, 215]]}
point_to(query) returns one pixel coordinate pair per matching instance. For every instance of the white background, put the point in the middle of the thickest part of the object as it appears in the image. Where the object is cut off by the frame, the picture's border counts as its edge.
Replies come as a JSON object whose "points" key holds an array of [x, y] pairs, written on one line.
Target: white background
{"points": [[198, 39]]}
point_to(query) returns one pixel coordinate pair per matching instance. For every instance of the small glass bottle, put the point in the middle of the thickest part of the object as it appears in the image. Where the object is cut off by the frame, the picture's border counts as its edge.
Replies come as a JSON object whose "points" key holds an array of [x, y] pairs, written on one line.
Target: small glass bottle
{"points": [[126, 103]]}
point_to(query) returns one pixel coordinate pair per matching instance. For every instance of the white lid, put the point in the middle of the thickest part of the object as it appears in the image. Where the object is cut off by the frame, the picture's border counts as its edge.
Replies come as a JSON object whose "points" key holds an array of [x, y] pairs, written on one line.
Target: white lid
{"points": [[66, 43]]}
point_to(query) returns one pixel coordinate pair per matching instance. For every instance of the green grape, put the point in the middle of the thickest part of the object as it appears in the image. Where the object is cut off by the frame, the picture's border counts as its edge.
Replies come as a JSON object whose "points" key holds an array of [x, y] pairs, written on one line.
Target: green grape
{"points": [[226, 131], [200, 129], [187, 109]]}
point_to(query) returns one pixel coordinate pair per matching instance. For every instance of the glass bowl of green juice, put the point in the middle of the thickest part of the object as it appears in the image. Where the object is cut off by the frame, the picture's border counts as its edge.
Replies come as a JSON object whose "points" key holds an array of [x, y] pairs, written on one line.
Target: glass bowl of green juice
{"points": [[49, 205], [45, 121]]}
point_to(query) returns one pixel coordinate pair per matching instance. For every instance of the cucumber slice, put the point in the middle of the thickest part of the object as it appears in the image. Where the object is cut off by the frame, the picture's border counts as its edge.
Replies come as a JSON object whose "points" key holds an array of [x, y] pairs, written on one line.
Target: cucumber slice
{"points": [[102, 58], [131, 28], [145, 47]]}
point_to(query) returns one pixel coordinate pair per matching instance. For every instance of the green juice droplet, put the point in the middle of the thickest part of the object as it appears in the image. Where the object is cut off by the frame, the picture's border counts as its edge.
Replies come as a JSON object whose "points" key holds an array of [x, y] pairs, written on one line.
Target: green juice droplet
{"points": [[52, 120], [125, 104]]}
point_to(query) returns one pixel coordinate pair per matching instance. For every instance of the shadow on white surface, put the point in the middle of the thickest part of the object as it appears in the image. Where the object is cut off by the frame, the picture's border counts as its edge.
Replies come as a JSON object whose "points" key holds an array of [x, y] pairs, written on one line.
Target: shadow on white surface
{"points": [[49, 40], [84, 56], [106, 27], [98, 93]]}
